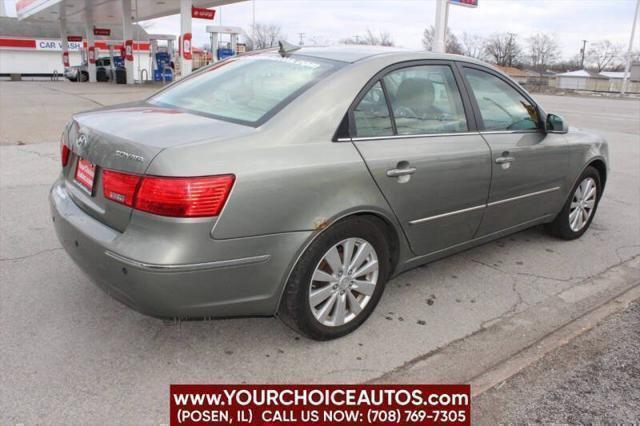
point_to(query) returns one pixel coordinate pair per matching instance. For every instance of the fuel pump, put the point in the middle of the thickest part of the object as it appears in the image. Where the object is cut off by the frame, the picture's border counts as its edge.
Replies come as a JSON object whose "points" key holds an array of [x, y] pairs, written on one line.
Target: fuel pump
{"points": [[162, 57], [231, 48]]}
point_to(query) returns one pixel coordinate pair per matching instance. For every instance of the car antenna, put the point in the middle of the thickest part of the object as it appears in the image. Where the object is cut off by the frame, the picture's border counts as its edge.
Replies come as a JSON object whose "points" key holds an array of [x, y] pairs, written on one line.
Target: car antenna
{"points": [[286, 48]]}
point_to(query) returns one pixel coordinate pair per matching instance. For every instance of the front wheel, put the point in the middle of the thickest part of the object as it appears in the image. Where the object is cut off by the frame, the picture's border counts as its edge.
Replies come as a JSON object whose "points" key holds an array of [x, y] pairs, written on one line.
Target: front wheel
{"points": [[338, 280], [580, 208]]}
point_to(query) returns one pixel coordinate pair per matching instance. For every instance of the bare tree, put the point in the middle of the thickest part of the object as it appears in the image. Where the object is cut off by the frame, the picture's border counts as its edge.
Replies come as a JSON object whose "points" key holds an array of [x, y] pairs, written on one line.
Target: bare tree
{"points": [[473, 45], [503, 49], [543, 50], [565, 65], [452, 43], [383, 38], [317, 40], [265, 36], [603, 54]]}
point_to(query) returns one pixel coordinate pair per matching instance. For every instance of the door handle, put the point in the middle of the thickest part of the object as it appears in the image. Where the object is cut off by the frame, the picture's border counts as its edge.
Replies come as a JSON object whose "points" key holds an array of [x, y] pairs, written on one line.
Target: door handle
{"points": [[401, 172], [503, 160]]}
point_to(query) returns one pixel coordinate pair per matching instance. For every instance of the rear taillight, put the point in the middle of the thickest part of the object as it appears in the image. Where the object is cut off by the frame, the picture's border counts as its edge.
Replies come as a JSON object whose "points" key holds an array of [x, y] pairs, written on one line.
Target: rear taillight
{"points": [[169, 196], [184, 197], [64, 154], [120, 187]]}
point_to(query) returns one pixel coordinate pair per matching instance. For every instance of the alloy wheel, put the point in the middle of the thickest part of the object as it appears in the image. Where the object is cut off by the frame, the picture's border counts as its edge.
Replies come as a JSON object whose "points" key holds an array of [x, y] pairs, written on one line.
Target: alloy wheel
{"points": [[582, 204], [343, 282]]}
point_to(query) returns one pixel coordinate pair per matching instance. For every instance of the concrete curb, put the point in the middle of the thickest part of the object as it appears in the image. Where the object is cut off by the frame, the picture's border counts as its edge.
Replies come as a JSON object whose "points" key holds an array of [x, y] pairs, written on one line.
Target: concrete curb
{"points": [[493, 354]]}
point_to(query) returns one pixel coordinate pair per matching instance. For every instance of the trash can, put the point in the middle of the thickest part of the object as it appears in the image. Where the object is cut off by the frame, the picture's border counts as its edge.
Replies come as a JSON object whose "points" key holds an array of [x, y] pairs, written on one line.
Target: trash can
{"points": [[101, 74], [121, 76]]}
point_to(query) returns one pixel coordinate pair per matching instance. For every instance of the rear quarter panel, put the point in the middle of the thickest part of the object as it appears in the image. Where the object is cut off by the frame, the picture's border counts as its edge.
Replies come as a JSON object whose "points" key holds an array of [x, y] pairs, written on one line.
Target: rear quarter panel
{"points": [[280, 188]]}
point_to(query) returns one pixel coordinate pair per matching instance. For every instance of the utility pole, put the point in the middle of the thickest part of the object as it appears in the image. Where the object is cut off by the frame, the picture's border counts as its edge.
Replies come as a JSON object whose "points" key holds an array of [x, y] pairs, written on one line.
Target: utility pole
{"points": [[439, 41], [627, 67], [510, 49], [582, 52], [301, 39], [253, 23]]}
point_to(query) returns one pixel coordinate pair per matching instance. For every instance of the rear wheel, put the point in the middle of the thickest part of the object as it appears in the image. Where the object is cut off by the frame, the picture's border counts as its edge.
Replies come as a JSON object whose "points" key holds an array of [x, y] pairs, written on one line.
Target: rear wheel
{"points": [[580, 208], [83, 76], [338, 280]]}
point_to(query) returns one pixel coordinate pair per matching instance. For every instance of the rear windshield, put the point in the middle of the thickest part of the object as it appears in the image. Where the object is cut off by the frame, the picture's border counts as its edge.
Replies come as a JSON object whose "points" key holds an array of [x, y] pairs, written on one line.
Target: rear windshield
{"points": [[246, 90]]}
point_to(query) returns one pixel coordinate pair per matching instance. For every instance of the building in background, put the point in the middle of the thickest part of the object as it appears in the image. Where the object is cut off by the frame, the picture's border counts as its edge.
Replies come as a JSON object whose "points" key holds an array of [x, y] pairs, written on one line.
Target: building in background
{"points": [[33, 49], [517, 74], [578, 80]]}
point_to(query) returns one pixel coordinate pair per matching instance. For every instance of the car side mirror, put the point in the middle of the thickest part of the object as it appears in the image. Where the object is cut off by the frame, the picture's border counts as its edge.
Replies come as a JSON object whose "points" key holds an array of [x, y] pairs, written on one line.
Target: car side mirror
{"points": [[555, 124]]}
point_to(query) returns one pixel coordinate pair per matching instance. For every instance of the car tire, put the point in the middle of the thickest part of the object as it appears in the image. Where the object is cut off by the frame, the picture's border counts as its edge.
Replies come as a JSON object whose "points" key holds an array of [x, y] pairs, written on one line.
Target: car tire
{"points": [[567, 225], [83, 77], [349, 304]]}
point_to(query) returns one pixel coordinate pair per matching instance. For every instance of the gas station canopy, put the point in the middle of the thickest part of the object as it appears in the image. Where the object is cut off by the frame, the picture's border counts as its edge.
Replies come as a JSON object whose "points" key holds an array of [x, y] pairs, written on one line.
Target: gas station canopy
{"points": [[107, 12]]}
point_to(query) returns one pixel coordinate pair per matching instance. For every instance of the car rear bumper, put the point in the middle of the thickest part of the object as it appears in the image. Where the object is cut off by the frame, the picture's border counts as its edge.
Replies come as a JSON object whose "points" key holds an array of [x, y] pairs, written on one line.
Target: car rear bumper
{"points": [[244, 277]]}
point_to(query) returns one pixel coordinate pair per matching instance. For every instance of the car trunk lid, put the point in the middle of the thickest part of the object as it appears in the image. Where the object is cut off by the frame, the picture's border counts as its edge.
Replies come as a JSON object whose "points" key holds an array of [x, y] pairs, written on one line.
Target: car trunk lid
{"points": [[127, 139]]}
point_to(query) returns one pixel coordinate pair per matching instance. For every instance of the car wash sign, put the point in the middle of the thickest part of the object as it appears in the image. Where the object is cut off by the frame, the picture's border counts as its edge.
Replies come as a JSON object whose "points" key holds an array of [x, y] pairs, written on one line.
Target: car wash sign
{"points": [[56, 45], [467, 3]]}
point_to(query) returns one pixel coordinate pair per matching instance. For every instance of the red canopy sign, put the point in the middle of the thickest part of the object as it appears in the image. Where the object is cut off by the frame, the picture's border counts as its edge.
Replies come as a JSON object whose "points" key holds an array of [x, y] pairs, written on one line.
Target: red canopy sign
{"points": [[101, 31], [74, 38], [199, 12], [467, 3]]}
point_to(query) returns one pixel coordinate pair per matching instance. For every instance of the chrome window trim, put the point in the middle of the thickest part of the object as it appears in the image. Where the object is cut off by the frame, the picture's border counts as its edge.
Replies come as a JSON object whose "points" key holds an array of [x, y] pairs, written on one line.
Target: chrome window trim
{"points": [[440, 216], [155, 267], [432, 135], [508, 132], [424, 135], [494, 203]]}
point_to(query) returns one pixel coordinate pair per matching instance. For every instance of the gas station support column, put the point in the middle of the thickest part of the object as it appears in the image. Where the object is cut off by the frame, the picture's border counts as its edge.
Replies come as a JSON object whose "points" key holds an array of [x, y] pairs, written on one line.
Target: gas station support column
{"points": [[64, 40], [88, 29], [127, 36], [185, 37]]}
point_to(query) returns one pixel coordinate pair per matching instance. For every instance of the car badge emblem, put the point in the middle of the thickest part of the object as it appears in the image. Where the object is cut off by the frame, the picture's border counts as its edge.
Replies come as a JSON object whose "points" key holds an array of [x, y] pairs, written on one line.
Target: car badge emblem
{"points": [[128, 156], [82, 141]]}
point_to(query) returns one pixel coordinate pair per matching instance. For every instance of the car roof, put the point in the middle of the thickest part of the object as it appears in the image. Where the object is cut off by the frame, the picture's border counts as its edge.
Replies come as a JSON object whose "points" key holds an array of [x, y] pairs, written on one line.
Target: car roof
{"points": [[355, 53]]}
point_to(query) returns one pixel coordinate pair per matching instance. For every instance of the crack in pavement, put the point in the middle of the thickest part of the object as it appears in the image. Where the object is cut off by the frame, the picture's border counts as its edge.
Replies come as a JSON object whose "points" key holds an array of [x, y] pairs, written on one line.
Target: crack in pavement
{"points": [[410, 363], [53, 157], [27, 185], [72, 94], [520, 301], [512, 310], [571, 279], [514, 288], [12, 259], [617, 250]]}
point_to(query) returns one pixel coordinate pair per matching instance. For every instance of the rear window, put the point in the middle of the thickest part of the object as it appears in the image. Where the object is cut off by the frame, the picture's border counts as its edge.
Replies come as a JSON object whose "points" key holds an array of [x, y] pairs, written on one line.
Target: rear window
{"points": [[246, 90]]}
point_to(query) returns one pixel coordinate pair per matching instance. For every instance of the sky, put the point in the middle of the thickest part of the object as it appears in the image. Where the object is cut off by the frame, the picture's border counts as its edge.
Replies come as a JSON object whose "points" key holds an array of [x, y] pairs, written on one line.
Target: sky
{"points": [[329, 21]]}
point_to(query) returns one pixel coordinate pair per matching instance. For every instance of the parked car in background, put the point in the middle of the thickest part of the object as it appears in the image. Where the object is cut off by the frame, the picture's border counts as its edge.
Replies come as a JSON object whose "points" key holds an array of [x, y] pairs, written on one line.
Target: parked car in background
{"points": [[298, 183], [81, 72]]}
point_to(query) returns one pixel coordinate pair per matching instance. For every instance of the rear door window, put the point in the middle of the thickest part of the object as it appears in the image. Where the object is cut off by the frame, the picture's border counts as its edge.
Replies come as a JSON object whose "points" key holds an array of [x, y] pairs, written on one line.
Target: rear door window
{"points": [[425, 99], [372, 116]]}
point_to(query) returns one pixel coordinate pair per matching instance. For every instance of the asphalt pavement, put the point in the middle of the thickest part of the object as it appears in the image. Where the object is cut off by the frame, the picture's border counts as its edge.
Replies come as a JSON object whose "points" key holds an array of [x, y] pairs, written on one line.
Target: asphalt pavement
{"points": [[71, 354], [592, 380]]}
